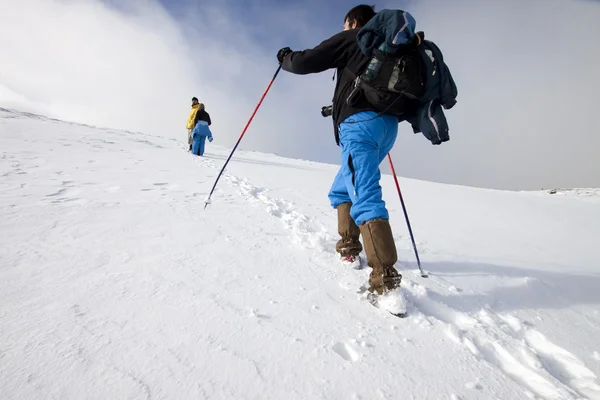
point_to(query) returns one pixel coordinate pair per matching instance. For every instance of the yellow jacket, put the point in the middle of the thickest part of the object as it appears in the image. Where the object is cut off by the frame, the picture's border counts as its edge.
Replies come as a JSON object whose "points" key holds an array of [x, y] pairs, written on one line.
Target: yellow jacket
{"points": [[190, 121]]}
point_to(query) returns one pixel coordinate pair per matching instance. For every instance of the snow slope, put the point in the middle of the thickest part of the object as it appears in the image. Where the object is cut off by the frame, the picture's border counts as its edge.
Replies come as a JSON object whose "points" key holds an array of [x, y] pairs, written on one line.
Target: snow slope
{"points": [[588, 194], [115, 283]]}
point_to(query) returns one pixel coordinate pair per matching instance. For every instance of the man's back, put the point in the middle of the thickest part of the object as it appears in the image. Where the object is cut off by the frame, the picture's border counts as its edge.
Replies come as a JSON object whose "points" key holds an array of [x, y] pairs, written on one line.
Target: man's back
{"points": [[202, 115]]}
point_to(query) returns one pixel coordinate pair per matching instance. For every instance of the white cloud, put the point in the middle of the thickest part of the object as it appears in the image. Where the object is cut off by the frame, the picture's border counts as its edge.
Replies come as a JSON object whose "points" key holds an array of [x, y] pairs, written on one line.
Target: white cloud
{"points": [[134, 66], [83, 61]]}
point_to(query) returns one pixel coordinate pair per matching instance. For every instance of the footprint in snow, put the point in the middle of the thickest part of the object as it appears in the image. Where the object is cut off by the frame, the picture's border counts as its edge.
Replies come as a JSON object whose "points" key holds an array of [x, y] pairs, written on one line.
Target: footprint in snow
{"points": [[564, 366], [254, 313], [473, 386], [346, 352], [57, 193], [501, 342]]}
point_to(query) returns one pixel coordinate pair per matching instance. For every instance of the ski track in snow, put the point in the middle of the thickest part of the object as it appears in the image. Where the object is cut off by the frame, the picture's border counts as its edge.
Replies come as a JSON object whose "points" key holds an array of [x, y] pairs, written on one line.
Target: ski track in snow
{"points": [[522, 352], [304, 231], [544, 369]]}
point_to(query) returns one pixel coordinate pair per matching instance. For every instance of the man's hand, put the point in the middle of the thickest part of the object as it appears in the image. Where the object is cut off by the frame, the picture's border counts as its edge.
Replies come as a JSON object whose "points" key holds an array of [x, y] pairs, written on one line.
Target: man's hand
{"points": [[282, 53]]}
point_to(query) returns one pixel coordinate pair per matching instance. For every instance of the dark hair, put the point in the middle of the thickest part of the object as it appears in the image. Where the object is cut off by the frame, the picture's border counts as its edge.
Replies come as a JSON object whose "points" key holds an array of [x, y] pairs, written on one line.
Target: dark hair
{"points": [[360, 14], [194, 99]]}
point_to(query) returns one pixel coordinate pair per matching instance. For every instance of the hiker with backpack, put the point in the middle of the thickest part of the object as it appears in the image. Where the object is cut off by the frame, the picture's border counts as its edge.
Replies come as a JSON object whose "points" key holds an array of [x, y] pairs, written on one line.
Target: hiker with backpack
{"points": [[201, 130], [190, 121], [365, 139], [366, 116]]}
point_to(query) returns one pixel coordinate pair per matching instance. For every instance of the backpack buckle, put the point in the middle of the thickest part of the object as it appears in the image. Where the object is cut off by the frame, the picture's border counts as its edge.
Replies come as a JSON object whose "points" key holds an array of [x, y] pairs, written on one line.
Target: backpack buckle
{"points": [[355, 94]]}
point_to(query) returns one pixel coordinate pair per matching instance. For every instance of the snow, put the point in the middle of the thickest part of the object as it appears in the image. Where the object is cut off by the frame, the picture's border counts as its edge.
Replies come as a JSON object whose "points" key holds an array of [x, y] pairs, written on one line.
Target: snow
{"points": [[116, 283], [588, 194]]}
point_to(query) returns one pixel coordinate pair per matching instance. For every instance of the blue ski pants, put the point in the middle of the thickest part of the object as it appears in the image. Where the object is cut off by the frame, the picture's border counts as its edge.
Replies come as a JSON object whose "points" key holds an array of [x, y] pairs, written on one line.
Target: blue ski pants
{"points": [[198, 146], [365, 142]]}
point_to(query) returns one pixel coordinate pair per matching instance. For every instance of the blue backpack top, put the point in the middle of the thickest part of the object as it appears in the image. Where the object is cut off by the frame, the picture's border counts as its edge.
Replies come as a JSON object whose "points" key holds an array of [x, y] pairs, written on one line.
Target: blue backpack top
{"points": [[390, 28]]}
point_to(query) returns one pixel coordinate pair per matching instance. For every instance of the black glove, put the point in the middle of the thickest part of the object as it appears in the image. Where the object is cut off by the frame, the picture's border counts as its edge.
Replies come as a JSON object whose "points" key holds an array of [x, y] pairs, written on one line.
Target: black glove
{"points": [[282, 53]]}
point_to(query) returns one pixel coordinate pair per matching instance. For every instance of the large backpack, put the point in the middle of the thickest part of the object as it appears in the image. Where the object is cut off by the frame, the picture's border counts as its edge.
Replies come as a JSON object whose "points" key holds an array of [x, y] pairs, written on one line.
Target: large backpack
{"points": [[406, 75], [392, 82]]}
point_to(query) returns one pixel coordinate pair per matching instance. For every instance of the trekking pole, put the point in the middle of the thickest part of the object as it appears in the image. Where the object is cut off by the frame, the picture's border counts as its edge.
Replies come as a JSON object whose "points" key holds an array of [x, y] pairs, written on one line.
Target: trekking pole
{"points": [[423, 274], [207, 201]]}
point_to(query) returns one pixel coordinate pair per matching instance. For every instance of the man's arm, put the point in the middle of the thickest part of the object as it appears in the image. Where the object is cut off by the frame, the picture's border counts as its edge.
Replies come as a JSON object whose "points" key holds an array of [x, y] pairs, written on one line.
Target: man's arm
{"points": [[328, 54]]}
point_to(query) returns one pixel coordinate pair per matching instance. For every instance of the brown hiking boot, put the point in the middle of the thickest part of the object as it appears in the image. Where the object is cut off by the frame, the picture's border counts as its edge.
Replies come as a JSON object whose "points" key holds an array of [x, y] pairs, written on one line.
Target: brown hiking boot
{"points": [[381, 255], [348, 246]]}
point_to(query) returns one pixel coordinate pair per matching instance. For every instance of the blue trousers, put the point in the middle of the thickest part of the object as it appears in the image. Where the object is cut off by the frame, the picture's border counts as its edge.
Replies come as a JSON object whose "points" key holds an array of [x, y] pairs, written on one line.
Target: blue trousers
{"points": [[364, 145], [198, 146]]}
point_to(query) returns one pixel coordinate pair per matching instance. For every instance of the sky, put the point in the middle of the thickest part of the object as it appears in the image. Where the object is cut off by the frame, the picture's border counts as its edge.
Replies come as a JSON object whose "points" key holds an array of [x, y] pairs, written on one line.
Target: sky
{"points": [[525, 71]]}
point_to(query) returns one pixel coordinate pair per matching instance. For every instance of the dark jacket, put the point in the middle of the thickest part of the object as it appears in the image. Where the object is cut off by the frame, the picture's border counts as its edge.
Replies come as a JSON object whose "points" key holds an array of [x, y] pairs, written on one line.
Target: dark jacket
{"points": [[202, 115], [440, 93], [340, 51]]}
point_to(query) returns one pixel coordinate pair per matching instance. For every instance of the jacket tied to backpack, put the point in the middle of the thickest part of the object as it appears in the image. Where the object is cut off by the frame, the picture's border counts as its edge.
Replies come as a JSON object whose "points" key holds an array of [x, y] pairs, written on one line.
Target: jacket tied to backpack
{"points": [[202, 129], [407, 76]]}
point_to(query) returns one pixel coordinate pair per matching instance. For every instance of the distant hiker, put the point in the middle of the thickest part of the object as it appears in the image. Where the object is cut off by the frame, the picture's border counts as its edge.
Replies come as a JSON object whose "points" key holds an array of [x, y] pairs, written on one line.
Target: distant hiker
{"points": [[201, 131], [191, 120], [201, 115], [365, 138]]}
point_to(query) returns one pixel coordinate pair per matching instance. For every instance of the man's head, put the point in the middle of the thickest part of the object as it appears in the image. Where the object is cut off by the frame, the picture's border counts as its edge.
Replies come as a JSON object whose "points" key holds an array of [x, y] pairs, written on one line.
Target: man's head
{"points": [[201, 106], [358, 16], [194, 101]]}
